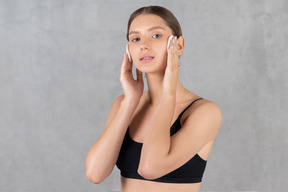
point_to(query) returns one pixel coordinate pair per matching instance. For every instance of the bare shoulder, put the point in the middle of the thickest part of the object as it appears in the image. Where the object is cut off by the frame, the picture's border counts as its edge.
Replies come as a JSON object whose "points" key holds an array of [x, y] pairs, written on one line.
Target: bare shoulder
{"points": [[208, 112], [117, 102], [206, 104], [119, 99], [114, 108], [206, 107]]}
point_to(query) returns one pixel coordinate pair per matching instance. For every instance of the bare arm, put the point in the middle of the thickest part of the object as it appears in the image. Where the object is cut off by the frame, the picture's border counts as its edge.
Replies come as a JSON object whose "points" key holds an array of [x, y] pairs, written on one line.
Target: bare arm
{"points": [[161, 153], [157, 142], [102, 156]]}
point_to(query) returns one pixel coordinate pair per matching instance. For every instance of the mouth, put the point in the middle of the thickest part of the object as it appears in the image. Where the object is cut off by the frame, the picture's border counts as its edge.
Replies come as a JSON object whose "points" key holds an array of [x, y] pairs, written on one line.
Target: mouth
{"points": [[146, 58]]}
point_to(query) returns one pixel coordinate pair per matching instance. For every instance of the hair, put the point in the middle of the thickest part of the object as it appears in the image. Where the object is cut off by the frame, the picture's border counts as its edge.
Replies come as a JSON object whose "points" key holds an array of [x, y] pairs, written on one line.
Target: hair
{"points": [[162, 12]]}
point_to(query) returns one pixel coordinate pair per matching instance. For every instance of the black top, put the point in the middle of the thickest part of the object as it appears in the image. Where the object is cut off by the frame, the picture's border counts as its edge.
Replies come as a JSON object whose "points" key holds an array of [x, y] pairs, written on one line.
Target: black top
{"points": [[129, 157]]}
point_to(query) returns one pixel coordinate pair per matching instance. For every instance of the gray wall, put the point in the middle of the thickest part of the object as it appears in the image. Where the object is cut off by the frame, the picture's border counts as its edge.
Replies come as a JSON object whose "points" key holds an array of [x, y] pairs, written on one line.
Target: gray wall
{"points": [[59, 74]]}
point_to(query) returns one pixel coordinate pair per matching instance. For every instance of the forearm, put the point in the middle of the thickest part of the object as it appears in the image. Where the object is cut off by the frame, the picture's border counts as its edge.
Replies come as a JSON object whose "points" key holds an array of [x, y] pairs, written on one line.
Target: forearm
{"points": [[103, 154], [156, 145]]}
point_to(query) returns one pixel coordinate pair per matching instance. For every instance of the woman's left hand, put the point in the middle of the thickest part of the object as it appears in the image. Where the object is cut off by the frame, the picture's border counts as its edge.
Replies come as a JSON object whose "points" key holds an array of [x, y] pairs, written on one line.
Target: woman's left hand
{"points": [[171, 73]]}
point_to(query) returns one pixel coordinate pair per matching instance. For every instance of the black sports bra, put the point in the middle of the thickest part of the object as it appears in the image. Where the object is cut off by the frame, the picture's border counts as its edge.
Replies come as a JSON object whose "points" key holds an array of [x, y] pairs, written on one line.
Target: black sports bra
{"points": [[129, 157]]}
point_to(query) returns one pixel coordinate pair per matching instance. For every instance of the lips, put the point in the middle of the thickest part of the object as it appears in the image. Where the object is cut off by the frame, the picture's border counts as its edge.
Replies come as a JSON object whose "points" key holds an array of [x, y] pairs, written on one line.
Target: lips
{"points": [[146, 58]]}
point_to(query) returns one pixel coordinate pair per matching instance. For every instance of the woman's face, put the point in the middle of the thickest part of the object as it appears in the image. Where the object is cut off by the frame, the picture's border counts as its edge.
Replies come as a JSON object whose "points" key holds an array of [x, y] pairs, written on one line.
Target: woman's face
{"points": [[148, 38]]}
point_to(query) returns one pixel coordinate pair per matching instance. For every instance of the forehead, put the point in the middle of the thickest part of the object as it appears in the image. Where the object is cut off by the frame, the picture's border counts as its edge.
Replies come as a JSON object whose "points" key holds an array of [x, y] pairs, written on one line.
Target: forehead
{"points": [[146, 21]]}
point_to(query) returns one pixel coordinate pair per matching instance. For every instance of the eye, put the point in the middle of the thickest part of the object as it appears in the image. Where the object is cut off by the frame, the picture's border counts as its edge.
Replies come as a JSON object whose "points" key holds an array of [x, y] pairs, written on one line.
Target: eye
{"points": [[157, 36], [135, 39]]}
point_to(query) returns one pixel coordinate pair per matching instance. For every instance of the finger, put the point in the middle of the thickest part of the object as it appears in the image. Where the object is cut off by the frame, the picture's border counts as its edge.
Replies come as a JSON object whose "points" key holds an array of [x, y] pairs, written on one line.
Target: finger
{"points": [[172, 62], [126, 65], [173, 48], [175, 45], [122, 66]]}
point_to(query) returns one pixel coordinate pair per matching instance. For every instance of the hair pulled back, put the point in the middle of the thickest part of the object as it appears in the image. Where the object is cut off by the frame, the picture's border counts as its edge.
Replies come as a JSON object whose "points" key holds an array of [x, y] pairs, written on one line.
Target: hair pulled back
{"points": [[162, 12]]}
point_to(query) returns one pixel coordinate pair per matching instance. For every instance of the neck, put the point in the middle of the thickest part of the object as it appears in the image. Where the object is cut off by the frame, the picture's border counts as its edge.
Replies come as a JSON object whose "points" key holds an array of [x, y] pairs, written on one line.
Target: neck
{"points": [[155, 88]]}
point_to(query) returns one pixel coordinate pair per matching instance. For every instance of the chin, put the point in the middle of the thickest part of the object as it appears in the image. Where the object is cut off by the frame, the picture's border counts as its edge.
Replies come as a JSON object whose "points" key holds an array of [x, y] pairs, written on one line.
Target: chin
{"points": [[151, 67], [144, 68]]}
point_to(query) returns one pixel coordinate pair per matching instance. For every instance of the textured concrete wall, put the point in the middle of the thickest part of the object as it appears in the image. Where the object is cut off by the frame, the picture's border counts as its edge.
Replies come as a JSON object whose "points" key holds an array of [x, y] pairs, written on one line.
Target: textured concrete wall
{"points": [[59, 74]]}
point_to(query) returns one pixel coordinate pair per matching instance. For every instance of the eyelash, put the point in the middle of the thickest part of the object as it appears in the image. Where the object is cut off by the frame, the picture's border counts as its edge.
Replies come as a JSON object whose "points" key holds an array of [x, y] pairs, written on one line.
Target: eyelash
{"points": [[137, 38], [133, 40], [158, 35]]}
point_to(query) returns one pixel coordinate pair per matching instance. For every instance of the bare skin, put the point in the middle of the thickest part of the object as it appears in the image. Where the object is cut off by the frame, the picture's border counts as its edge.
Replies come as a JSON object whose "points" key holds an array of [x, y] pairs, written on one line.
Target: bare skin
{"points": [[136, 129], [148, 113]]}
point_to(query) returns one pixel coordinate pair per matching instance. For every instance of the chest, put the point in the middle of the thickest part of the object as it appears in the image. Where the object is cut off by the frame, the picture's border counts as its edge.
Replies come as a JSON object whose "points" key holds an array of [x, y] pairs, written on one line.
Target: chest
{"points": [[141, 119]]}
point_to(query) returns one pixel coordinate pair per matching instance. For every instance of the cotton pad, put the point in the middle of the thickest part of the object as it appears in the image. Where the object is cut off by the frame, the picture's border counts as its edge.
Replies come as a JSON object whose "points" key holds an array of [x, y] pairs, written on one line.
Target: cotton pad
{"points": [[127, 51], [171, 37]]}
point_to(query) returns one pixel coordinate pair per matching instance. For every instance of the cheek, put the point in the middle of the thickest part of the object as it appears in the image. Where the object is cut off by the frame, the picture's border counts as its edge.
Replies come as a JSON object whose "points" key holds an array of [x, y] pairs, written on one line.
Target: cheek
{"points": [[160, 45], [159, 49], [162, 52], [132, 50], [164, 59]]}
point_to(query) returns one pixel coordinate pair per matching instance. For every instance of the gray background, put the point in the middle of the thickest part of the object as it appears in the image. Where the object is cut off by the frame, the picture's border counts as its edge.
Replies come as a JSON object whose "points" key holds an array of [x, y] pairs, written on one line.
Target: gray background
{"points": [[59, 75]]}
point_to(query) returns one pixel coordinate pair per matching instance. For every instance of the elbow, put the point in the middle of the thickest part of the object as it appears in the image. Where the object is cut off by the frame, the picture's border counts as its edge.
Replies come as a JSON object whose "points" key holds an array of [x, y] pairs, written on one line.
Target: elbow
{"points": [[148, 172], [93, 173], [96, 179]]}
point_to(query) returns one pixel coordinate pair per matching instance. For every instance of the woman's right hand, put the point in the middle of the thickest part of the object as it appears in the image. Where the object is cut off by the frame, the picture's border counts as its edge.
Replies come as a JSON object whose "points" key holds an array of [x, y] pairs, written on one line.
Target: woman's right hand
{"points": [[133, 89]]}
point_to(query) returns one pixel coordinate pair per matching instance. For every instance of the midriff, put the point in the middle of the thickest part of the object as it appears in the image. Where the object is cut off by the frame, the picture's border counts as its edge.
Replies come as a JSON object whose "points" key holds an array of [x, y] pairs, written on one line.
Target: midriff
{"points": [[137, 185]]}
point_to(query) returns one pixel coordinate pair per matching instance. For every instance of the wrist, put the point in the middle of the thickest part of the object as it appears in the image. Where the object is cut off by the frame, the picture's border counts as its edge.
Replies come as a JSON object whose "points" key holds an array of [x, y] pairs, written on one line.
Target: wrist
{"points": [[168, 97], [169, 93], [132, 101]]}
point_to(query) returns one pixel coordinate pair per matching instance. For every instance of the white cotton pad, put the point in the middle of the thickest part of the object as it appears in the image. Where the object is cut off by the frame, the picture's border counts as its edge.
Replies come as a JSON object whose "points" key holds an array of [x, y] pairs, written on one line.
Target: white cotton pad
{"points": [[169, 41], [127, 51]]}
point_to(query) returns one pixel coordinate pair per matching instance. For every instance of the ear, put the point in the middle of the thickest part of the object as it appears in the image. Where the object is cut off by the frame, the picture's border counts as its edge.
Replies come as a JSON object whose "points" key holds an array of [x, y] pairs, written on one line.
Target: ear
{"points": [[181, 45]]}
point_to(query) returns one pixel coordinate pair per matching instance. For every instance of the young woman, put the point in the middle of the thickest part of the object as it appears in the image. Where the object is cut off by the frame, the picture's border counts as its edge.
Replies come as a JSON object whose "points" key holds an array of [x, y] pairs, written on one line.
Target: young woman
{"points": [[157, 138]]}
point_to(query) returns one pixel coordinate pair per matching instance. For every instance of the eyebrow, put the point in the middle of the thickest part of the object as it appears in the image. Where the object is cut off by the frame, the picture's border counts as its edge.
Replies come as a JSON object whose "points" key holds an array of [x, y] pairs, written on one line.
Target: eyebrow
{"points": [[150, 29]]}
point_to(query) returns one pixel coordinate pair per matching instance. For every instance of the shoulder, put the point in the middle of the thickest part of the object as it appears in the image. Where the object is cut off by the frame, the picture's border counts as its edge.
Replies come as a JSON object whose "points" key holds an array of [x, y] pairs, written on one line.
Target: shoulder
{"points": [[116, 104], [118, 100], [207, 109], [204, 116], [114, 108], [207, 105]]}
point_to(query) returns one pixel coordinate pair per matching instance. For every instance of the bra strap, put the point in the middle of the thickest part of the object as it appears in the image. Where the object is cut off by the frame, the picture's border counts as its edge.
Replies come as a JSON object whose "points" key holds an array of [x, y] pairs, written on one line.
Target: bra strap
{"points": [[188, 107]]}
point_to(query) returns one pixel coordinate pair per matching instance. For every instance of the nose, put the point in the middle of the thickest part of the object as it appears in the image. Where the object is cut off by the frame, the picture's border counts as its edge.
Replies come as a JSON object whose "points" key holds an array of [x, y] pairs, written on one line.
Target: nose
{"points": [[144, 44]]}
